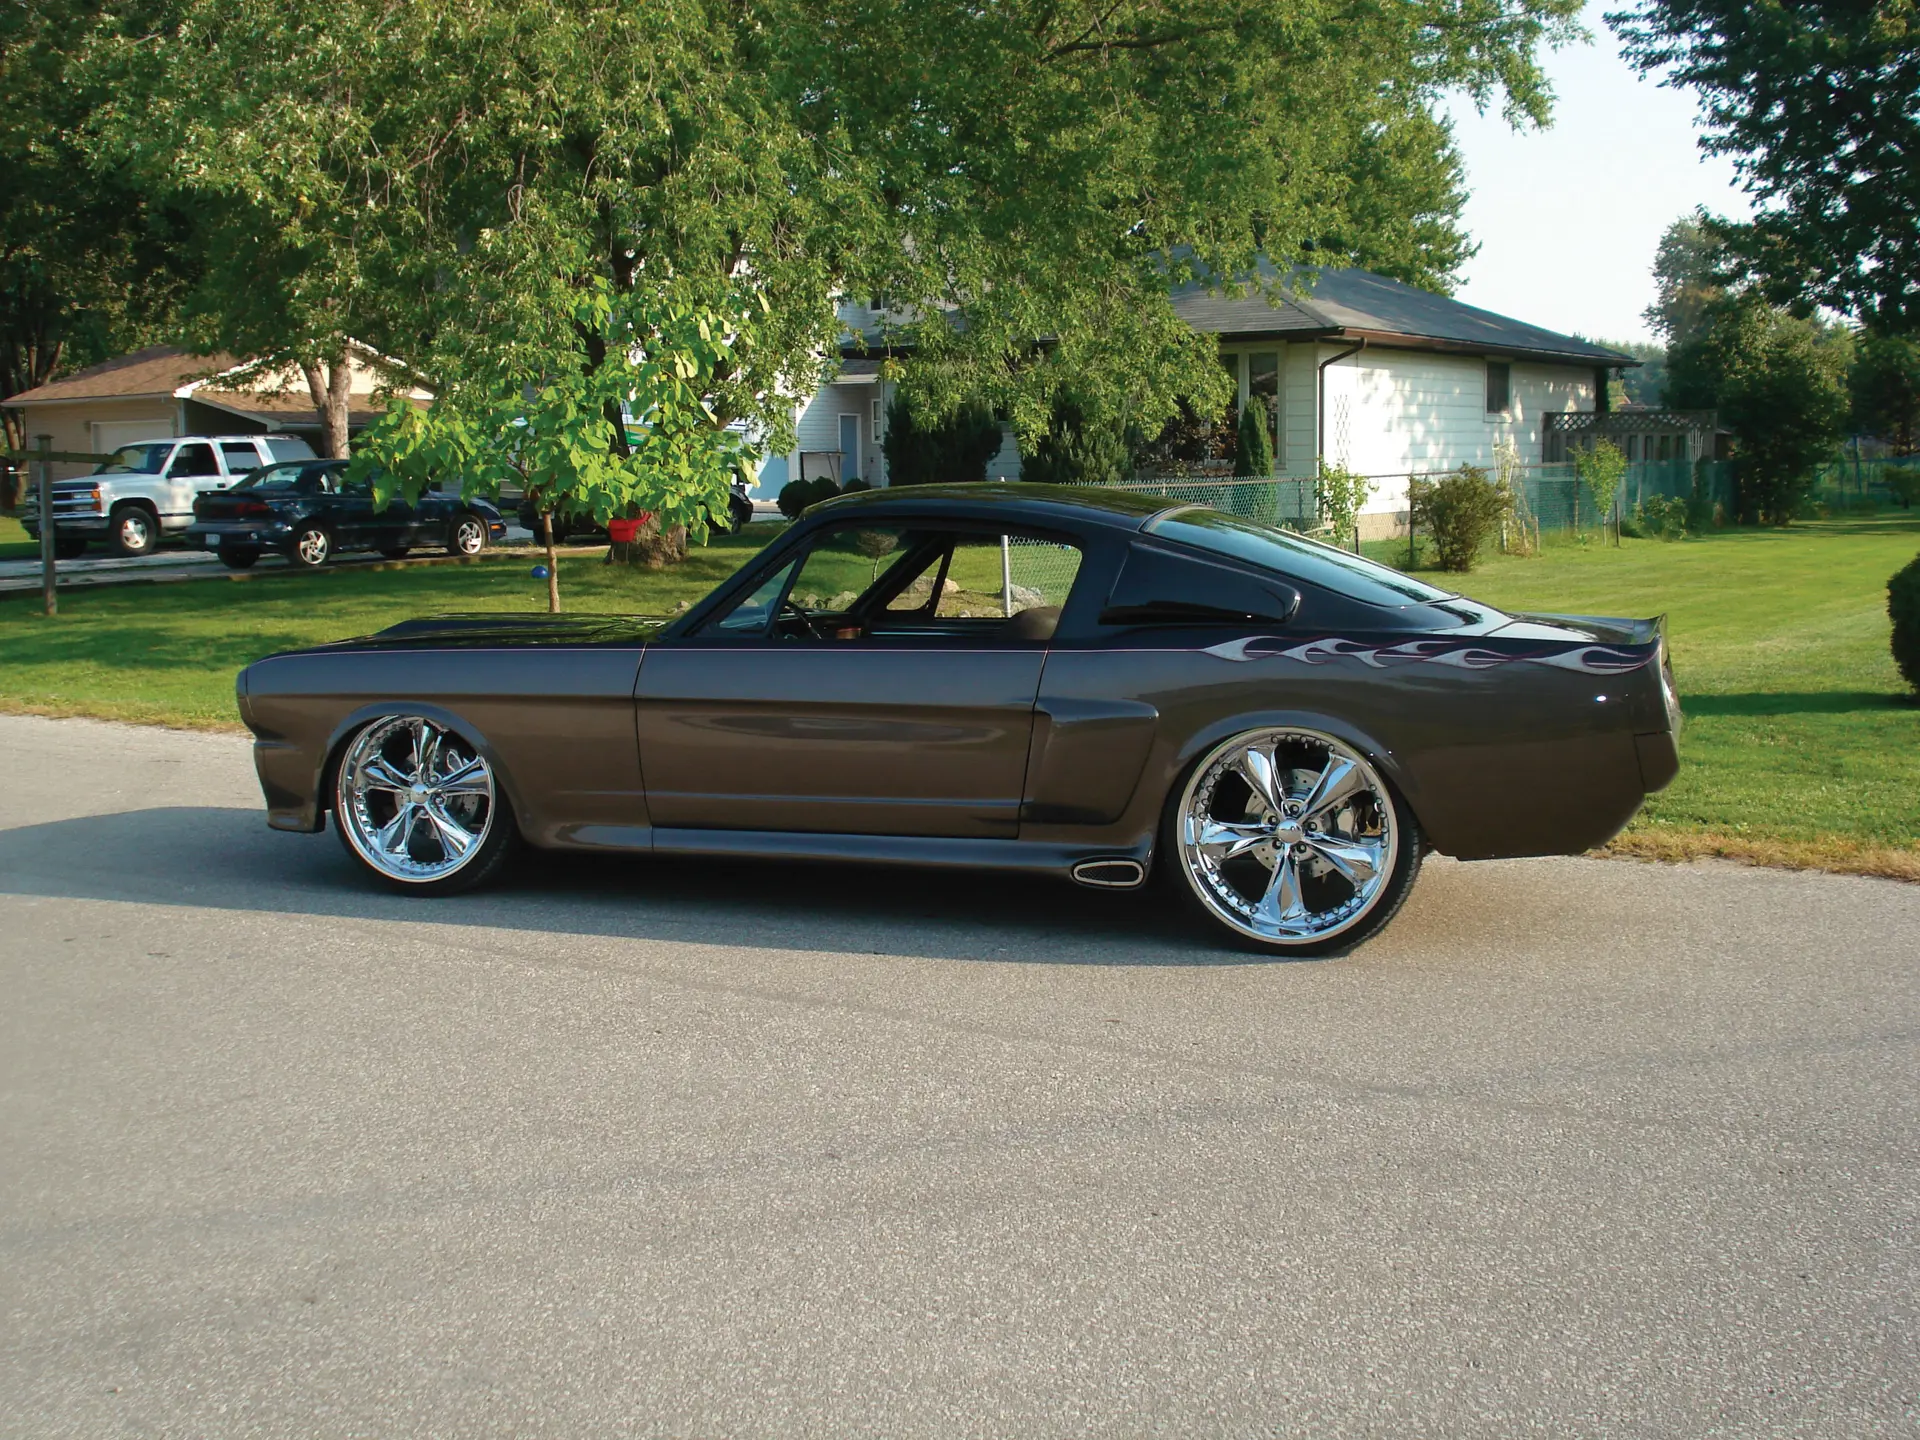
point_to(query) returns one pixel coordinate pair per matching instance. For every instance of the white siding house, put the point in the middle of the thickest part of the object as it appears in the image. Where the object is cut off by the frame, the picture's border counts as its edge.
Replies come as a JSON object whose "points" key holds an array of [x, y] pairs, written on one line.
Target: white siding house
{"points": [[1367, 372]]}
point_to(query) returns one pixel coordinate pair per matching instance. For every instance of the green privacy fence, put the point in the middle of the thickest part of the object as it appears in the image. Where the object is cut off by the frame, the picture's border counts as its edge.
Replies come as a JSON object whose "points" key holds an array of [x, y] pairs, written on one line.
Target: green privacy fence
{"points": [[1856, 484]]}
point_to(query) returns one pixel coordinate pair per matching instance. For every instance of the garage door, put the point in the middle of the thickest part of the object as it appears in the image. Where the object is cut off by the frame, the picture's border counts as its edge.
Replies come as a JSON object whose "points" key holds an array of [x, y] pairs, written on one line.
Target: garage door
{"points": [[112, 434]]}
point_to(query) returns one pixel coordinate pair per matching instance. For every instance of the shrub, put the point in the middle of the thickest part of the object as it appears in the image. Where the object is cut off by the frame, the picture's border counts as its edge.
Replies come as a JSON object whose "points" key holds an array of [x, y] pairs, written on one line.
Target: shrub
{"points": [[942, 452], [1252, 449], [1903, 607], [1661, 517], [1602, 467], [1078, 449], [1342, 493], [853, 485], [794, 497], [1904, 483], [1459, 513]]}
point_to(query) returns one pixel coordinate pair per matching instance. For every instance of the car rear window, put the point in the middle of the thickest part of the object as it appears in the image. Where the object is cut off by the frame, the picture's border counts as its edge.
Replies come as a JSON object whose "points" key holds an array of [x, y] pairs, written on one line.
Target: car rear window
{"points": [[312, 476], [288, 447], [1294, 556]]}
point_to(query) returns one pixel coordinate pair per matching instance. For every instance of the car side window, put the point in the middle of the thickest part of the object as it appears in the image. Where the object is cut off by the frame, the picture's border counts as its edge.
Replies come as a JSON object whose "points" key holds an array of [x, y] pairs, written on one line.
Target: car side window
{"points": [[194, 459], [240, 456], [752, 614]]}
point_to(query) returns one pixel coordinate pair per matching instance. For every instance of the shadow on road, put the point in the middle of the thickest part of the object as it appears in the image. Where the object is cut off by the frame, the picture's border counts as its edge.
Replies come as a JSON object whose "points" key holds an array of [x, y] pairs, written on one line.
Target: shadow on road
{"points": [[225, 859]]}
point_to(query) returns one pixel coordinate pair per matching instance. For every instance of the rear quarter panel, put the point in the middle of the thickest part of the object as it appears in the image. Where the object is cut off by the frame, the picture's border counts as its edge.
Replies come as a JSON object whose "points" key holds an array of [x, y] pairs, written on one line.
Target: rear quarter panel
{"points": [[555, 721]]}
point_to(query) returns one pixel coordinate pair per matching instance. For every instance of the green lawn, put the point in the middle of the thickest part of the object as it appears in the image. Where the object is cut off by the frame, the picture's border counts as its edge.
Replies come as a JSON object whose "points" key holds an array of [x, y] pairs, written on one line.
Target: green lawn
{"points": [[1799, 746], [14, 544]]}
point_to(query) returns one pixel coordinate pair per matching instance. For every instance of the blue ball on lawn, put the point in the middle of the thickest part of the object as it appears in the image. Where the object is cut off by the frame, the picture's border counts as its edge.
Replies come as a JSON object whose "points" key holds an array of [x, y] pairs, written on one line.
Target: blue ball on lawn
{"points": [[539, 572]]}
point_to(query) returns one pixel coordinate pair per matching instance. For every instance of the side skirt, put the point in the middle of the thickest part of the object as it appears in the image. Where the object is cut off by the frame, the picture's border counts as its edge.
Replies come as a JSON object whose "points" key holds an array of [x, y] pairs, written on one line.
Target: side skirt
{"points": [[923, 852]]}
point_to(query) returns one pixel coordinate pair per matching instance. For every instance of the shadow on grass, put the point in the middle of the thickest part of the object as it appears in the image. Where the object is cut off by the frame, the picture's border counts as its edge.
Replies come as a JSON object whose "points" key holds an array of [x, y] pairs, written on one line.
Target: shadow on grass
{"points": [[1820, 702]]}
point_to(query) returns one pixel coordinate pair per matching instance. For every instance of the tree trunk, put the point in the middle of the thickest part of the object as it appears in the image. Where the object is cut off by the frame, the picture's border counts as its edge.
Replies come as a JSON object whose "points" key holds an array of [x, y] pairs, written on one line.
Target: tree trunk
{"points": [[553, 563], [330, 386]]}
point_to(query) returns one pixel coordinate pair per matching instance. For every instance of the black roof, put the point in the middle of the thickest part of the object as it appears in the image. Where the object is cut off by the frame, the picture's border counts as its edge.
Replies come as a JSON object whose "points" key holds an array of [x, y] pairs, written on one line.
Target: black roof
{"points": [[1321, 301]]}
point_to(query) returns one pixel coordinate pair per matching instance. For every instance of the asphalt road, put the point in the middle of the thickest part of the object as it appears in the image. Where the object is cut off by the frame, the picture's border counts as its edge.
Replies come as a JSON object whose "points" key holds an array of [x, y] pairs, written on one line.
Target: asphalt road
{"points": [[1575, 1148]]}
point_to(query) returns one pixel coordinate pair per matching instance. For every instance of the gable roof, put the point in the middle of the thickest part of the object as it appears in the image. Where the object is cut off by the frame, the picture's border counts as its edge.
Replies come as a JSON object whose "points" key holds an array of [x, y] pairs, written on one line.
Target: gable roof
{"points": [[1330, 303], [159, 372]]}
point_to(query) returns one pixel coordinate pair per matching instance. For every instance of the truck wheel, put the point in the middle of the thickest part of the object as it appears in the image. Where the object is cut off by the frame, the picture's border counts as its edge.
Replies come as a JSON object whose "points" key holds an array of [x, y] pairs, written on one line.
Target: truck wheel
{"points": [[739, 512], [135, 530]]}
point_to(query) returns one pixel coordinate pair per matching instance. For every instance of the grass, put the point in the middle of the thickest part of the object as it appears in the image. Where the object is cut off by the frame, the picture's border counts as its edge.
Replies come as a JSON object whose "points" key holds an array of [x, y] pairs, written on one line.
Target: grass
{"points": [[14, 544], [1800, 746]]}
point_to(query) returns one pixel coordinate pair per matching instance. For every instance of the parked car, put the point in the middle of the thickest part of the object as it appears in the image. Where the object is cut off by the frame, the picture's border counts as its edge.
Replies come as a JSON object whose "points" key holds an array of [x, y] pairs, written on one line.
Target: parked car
{"points": [[145, 491], [1081, 682], [309, 511], [574, 524]]}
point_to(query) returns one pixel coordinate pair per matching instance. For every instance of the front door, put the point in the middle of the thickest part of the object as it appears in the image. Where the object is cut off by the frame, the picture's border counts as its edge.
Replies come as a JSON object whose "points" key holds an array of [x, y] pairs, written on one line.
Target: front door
{"points": [[881, 683], [191, 470]]}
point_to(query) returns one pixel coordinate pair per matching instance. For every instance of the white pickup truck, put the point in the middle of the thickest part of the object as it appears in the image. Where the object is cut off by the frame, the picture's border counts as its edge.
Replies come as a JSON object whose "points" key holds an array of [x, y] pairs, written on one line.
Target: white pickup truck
{"points": [[145, 490]]}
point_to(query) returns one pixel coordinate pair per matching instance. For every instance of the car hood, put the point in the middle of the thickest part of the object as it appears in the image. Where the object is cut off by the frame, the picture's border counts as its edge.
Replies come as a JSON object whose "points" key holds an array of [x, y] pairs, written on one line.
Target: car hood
{"points": [[495, 632]]}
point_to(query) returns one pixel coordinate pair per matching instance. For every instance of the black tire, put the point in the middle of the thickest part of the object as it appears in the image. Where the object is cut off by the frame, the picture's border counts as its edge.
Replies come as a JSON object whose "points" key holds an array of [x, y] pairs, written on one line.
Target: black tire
{"points": [[135, 530], [739, 512], [312, 546], [467, 534], [396, 552], [1172, 874], [239, 557], [68, 547]]}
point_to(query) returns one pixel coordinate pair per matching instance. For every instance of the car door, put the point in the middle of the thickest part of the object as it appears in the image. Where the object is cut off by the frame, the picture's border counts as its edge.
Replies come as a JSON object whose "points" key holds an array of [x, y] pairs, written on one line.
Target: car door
{"points": [[881, 682], [349, 512], [192, 469]]}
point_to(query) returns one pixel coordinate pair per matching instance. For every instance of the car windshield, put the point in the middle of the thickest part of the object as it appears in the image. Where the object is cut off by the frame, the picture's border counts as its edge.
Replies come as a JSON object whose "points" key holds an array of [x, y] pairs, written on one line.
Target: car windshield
{"points": [[1294, 556], [304, 475], [147, 459]]}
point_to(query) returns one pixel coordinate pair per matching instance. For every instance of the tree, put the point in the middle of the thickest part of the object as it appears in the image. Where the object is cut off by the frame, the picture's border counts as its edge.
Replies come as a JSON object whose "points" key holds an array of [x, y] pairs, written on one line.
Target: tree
{"points": [[1815, 102], [951, 450], [1885, 386], [1689, 274], [1027, 180], [1779, 383], [1077, 449], [1252, 449], [88, 266], [1602, 466]]}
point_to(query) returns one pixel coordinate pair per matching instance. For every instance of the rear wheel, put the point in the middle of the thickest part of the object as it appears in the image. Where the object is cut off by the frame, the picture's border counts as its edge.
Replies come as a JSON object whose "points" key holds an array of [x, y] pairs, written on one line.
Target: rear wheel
{"points": [[419, 807], [135, 530], [739, 512], [312, 547], [467, 535], [238, 557], [1292, 842]]}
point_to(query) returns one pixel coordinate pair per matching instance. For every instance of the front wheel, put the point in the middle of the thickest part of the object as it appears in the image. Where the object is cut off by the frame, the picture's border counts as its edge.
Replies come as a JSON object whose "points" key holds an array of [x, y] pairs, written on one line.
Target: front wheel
{"points": [[420, 807], [1292, 842], [312, 547], [739, 512], [467, 535], [136, 530]]}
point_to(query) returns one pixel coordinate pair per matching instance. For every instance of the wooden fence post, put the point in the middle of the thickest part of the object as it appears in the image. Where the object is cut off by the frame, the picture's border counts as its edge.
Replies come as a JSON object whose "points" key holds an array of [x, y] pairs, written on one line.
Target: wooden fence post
{"points": [[48, 577]]}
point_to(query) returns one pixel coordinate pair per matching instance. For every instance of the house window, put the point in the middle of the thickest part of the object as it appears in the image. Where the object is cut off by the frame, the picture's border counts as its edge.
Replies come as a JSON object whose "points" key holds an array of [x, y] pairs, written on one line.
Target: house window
{"points": [[1499, 386]]}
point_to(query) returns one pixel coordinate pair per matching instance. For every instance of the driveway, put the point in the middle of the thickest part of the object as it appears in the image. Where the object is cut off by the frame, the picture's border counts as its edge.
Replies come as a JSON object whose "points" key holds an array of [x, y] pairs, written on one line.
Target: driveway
{"points": [[637, 1148]]}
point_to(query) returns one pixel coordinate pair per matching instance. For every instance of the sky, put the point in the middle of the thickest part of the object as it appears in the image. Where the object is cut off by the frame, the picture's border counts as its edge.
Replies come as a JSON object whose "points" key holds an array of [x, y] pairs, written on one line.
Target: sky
{"points": [[1568, 218]]}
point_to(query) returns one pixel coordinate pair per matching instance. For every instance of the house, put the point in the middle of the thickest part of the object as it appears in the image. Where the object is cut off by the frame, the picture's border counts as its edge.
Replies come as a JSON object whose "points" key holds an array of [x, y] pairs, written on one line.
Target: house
{"points": [[165, 391], [1369, 373]]}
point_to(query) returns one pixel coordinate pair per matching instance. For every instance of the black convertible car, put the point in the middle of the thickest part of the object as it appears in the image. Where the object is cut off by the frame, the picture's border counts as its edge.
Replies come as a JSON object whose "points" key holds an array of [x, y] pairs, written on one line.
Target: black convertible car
{"points": [[1099, 685], [309, 511]]}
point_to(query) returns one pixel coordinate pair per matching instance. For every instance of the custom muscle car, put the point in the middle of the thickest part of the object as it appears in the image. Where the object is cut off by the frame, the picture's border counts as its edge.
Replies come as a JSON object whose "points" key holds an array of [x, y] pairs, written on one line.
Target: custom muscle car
{"points": [[310, 510], [1104, 685]]}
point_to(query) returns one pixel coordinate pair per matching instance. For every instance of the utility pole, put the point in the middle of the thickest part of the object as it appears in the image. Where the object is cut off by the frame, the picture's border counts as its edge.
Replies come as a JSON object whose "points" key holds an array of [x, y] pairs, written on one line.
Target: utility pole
{"points": [[44, 444]]}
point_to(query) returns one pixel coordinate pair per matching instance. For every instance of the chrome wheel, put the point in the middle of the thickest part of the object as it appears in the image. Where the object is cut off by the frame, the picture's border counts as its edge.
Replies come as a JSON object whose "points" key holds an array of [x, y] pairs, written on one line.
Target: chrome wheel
{"points": [[135, 531], [1288, 836], [414, 800], [469, 536]]}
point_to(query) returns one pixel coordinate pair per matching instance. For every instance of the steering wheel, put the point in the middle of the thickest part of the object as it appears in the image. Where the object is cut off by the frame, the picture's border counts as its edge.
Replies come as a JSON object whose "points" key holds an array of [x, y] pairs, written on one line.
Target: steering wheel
{"points": [[792, 621]]}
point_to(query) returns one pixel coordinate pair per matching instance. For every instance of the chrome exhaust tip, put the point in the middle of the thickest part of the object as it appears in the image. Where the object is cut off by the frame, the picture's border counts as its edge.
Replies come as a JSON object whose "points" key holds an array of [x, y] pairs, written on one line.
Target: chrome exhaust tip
{"points": [[1110, 874]]}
